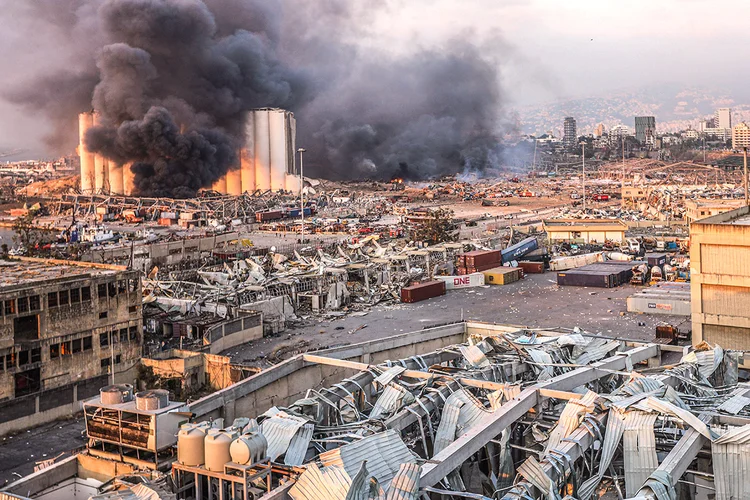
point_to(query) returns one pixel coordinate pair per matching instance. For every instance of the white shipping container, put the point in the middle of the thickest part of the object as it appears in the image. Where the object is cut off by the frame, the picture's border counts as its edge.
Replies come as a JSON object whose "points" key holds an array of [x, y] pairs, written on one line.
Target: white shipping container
{"points": [[574, 261], [466, 281]]}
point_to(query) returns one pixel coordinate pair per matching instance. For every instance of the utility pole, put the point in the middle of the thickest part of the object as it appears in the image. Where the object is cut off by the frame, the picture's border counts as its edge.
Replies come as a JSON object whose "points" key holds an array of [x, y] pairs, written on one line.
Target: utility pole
{"points": [[704, 148], [744, 178], [533, 163], [583, 159], [623, 161], [301, 194]]}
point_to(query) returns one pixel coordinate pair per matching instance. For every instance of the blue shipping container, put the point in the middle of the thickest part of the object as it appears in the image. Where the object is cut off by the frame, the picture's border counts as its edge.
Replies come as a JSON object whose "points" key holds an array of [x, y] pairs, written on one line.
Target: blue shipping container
{"points": [[520, 249]]}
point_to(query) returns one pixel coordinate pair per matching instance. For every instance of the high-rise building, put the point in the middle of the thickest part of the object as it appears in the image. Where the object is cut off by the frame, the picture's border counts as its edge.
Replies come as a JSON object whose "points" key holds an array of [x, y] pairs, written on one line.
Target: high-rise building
{"points": [[723, 118], [645, 129], [741, 136], [600, 130], [570, 136]]}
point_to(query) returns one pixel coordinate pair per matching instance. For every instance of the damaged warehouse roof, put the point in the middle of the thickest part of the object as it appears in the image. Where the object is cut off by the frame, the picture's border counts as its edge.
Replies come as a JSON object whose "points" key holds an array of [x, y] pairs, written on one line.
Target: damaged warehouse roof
{"points": [[474, 410]]}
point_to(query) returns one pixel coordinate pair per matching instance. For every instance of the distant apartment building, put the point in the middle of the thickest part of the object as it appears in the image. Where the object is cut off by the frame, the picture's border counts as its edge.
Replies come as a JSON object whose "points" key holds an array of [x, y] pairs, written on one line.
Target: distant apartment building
{"points": [[570, 135], [617, 133], [741, 136], [645, 130], [723, 118], [600, 130], [690, 133], [65, 328]]}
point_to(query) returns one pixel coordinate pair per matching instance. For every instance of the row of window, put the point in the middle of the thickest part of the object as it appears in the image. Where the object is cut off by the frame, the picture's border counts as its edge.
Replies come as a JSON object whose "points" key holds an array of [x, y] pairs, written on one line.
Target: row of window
{"points": [[68, 297], [21, 305], [106, 362], [21, 358], [70, 347], [123, 335], [116, 287]]}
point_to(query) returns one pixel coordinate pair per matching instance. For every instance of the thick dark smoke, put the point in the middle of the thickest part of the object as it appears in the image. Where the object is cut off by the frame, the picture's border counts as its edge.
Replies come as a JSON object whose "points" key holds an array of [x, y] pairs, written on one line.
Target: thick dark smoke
{"points": [[172, 80]]}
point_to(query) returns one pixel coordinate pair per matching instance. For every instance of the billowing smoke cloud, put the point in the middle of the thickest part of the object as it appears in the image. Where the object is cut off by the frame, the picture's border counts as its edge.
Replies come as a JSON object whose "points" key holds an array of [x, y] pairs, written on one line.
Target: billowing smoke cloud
{"points": [[172, 80]]}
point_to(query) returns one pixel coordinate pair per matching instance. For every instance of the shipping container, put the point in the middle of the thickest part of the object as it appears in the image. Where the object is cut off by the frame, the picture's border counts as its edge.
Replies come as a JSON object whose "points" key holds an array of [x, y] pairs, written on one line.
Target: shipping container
{"points": [[515, 252], [656, 259], [268, 216], [531, 267], [168, 215], [466, 281], [599, 279], [574, 261], [422, 291], [166, 222], [502, 275], [479, 258]]}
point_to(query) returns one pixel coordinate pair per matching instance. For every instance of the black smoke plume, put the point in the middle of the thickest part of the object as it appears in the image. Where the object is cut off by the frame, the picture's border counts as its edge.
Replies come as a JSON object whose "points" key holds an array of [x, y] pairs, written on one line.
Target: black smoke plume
{"points": [[172, 80]]}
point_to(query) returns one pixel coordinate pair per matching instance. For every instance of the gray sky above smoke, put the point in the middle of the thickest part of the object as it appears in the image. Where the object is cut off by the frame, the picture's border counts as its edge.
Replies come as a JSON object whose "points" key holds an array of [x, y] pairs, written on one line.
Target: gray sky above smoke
{"points": [[634, 43]]}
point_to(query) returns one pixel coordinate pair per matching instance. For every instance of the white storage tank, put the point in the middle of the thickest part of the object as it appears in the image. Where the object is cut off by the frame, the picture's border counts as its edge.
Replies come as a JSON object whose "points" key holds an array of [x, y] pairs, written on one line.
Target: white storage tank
{"points": [[152, 400], [116, 394], [249, 449], [191, 444], [217, 446]]}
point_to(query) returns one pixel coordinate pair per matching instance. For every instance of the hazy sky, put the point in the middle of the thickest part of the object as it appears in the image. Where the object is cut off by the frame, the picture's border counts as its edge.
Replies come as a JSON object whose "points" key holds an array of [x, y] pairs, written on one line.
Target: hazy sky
{"points": [[547, 49]]}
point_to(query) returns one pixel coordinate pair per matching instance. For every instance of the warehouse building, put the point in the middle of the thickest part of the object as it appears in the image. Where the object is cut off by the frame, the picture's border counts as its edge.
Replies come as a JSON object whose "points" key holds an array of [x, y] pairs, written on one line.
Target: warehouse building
{"points": [[703, 208], [584, 231], [66, 329], [720, 279]]}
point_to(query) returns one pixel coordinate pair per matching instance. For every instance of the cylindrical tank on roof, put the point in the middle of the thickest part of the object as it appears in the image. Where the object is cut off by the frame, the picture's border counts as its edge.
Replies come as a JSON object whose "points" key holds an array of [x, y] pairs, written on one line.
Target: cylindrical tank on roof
{"points": [[116, 394], [191, 444], [261, 149], [128, 180], [85, 122], [153, 399], [216, 449], [249, 449]]}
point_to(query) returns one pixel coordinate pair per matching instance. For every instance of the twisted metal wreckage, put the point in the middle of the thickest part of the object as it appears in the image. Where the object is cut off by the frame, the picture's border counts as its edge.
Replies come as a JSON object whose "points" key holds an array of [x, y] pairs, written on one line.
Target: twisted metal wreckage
{"points": [[515, 414]]}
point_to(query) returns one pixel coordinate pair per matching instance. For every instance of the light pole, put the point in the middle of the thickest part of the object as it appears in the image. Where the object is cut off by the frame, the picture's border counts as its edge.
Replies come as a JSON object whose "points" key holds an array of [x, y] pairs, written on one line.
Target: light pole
{"points": [[583, 159], [301, 194]]}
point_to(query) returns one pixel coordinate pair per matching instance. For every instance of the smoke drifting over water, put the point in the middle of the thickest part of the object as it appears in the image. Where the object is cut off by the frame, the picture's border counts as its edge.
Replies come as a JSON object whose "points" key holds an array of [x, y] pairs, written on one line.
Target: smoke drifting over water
{"points": [[172, 80]]}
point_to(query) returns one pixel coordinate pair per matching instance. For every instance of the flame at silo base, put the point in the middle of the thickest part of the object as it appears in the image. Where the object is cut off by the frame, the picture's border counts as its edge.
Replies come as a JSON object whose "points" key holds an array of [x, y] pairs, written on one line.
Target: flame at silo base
{"points": [[128, 180]]}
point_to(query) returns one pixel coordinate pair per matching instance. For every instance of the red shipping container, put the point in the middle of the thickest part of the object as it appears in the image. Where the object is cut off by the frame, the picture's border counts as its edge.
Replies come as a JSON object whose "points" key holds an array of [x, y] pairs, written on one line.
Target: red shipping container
{"points": [[422, 291], [531, 267], [483, 257]]}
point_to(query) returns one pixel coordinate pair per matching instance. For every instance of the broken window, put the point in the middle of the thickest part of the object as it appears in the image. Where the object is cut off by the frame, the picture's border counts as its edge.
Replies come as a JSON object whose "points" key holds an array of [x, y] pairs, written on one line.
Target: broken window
{"points": [[76, 345], [65, 349], [23, 358], [10, 360], [52, 299], [23, 304], [75, 296], [134, 333], [122, 286], [118, 359], [87, 343], [86, 294], [26, 328], [103, 315], [36, 355], [28, 382], [105, 362], [101, 290], [34, 303], [115, 337], [103, 339], [64, 298], [132, 285], [10, 307], [54, 351], [112, 289], [123, 334], [132, 309]]}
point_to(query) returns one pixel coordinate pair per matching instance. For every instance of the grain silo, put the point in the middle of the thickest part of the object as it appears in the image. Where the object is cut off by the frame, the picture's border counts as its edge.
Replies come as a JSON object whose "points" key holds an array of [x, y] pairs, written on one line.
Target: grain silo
{"points": [[85, 122]]}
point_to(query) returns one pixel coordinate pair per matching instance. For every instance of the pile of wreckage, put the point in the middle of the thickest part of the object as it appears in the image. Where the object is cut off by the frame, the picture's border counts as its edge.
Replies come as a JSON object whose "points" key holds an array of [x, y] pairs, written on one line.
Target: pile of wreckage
{"points": [[506, 415]]}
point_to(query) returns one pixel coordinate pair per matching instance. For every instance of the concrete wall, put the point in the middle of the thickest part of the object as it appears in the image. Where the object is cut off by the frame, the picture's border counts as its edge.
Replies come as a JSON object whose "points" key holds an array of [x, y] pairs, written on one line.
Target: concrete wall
{"points": [[720, 280], [288, 381], [241, 330]]}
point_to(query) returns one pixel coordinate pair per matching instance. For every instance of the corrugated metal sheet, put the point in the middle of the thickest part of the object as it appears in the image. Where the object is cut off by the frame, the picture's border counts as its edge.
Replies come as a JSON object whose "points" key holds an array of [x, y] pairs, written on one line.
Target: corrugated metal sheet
{"points": [[612, 436], [474, 356], [295, 454], [570, 419], [639, 449], [405, 485], [735, 403], [279, 431], [391, 373], [532, 471], [329, 483], [731, 462], [384, 452], [364, 486], [544, 363], [690, 419], [391, 399], [708, 361], [446, 432], [596, 350]]}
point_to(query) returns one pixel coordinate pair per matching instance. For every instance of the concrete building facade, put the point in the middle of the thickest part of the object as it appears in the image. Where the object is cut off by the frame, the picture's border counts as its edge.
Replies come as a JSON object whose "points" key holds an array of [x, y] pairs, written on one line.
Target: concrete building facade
{"points": [[723, 118], [741, 136], [720, 279], [701, 209], [66, 329], [588, 231], [570, 136]]}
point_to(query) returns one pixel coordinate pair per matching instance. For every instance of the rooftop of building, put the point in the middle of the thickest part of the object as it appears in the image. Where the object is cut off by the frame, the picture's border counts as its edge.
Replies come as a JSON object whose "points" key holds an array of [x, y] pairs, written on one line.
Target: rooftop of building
{"points": [[24, 270], [566, 224], [737, 217], [709, 202]]}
